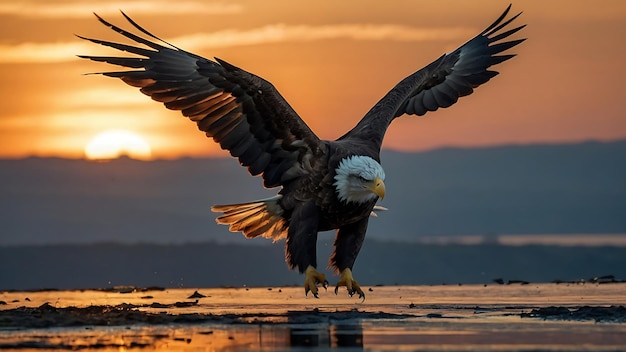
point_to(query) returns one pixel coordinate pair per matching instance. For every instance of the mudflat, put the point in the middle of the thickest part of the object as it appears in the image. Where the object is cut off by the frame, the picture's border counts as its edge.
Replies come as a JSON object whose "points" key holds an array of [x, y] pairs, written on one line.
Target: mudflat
{"points": [[506, 317]]}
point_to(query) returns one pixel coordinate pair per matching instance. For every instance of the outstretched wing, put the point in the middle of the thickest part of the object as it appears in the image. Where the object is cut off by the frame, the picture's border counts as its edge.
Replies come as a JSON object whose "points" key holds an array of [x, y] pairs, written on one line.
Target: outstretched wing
{"points": [[443, 82], [242, 112]]}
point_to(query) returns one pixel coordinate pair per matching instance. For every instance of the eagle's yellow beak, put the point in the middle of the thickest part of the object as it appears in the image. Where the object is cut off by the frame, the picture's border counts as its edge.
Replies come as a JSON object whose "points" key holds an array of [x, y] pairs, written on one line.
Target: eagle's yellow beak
{"points": [[377, 187]]}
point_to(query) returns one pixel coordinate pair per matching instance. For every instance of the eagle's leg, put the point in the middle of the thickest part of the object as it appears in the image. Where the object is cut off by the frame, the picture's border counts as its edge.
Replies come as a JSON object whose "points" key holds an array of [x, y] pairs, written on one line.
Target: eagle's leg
{"points": [[348, 243], [312, 278], [346, 279], [301, 246]]}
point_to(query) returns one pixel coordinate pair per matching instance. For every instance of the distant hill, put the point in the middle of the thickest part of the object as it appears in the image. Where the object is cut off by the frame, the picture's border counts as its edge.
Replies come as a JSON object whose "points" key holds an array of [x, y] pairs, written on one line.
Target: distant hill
{"points": [[575, 188], [215, 265]]}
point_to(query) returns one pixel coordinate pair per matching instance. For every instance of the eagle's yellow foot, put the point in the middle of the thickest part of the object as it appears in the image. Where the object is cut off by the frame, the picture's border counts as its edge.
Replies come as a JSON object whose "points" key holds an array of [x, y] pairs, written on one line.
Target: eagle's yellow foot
{"points": [[312, 277], [346, 279]]}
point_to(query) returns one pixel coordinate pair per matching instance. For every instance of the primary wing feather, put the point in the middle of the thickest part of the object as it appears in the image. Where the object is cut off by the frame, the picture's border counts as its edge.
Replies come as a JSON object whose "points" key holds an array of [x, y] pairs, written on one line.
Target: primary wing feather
{"points": [[242, 112], [443, 82]]}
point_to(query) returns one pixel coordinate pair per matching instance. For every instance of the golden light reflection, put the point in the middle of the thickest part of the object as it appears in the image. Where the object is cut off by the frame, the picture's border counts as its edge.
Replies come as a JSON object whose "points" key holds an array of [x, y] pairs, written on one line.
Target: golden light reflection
{"points": [[112, 144]]}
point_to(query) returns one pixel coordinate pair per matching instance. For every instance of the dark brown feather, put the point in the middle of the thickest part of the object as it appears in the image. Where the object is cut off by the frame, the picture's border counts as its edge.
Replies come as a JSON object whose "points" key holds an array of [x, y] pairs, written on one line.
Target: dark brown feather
{"points": [[441, 83], [242, 112]]}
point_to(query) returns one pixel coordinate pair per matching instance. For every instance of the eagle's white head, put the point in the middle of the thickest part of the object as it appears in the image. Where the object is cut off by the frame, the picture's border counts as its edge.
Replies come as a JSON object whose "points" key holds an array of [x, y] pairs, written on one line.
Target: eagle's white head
{"points": [[359, 179]]}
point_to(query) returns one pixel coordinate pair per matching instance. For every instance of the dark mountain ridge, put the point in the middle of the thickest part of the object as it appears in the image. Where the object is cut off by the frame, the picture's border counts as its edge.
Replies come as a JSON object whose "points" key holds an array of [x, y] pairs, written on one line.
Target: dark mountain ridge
{"points": [[535, 189]]}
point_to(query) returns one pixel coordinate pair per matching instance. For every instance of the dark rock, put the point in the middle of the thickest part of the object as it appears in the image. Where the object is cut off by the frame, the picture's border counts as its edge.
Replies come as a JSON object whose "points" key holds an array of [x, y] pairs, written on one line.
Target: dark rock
{"points": [[185, 304], [196, 294], [598, 314]]}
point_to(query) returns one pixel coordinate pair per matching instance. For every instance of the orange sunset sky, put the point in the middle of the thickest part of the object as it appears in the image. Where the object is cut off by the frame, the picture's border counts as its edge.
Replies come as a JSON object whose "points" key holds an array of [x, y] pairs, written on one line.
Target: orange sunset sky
{"points": [[332, 60]]}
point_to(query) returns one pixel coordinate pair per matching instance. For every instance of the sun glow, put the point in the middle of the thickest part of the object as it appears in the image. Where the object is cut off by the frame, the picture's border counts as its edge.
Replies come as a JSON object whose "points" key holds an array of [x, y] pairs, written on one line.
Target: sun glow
{"points": [[113, 144]]}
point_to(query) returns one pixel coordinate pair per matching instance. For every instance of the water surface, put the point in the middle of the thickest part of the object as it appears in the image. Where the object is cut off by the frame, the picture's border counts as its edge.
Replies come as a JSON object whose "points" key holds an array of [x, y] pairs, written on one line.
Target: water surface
{"points": [[467, 317]]}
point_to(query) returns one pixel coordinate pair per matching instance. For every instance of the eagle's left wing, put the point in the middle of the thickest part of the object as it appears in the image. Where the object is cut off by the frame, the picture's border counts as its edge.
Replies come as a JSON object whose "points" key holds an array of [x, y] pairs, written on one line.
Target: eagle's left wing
{"points": [[443, 82], [242, 112]]}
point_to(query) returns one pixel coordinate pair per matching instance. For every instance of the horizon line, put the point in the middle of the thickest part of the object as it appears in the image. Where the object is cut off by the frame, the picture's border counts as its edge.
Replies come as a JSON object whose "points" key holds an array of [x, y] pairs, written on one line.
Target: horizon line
{"points": [[385, 150]]}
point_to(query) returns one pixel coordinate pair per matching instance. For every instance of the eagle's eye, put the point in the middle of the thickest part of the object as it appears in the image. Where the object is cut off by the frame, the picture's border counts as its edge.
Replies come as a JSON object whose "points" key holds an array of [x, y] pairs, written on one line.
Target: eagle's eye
{"points": [[363, 179]]}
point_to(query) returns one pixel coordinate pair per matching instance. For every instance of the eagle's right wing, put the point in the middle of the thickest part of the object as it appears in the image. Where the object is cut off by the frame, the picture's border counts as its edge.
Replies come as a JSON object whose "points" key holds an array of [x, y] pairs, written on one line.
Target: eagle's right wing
{"points": [[242, 112]]}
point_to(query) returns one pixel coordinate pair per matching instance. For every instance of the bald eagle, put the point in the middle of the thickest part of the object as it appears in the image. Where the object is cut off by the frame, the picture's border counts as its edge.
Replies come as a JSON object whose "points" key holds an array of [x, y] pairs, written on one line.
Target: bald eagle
{"points": [[324, 185]]}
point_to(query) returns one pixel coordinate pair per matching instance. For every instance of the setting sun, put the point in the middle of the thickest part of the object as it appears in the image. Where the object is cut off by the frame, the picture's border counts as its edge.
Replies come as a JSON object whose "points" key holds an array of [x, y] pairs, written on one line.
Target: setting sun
{"points": [[115, 143]]}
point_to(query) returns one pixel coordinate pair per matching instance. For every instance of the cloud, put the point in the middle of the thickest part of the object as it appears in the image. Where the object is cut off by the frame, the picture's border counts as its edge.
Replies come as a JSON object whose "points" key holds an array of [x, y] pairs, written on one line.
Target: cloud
{"points": [[42, 52], [98, 97], [81, 9], [292, 33], [66, 51]]}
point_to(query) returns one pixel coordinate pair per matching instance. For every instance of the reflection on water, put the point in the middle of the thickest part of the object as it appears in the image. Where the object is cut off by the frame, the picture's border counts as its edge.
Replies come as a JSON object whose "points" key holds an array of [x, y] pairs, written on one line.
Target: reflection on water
{"points": [[411, 335], [171, 337], [330, 336]]}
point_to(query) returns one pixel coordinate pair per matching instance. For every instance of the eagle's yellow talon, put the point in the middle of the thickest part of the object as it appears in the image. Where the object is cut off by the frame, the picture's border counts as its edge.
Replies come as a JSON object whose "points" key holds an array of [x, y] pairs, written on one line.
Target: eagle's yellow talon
{"points": [[312, 278], [346, 279]]}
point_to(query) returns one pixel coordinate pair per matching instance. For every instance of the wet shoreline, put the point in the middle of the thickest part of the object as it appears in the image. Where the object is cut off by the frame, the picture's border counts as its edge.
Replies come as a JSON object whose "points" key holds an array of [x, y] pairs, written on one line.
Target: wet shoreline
{"points": [[46, 316], [510, 317]]}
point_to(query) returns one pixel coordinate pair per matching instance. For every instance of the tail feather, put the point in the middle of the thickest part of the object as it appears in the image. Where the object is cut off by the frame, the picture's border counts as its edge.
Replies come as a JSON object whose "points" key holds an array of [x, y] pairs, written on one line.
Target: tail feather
{"points": [[259, 218], [235, 215]]}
